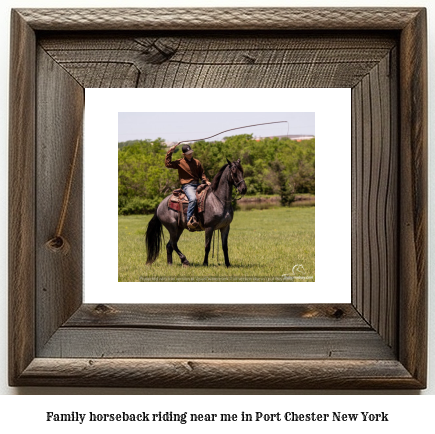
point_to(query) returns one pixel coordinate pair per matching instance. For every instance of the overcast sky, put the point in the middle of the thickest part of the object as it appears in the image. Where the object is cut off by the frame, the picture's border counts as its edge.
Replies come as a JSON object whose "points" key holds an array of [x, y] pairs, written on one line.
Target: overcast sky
{"points": [[176, 127]]}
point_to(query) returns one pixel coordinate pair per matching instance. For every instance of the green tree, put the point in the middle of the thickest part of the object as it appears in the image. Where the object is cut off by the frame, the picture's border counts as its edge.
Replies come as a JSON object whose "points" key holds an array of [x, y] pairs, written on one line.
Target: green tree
{"points": [[143, 179], [271, 166]]}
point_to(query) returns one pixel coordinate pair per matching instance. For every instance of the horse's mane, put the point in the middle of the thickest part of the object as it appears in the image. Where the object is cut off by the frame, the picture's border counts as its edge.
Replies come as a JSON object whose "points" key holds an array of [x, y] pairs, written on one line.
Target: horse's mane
{"points": [[217, 178]]}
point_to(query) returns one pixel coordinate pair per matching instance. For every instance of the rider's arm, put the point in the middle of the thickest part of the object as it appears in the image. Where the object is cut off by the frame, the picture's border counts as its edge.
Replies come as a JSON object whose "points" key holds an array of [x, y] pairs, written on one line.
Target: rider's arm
{"points": [[168, 160]]}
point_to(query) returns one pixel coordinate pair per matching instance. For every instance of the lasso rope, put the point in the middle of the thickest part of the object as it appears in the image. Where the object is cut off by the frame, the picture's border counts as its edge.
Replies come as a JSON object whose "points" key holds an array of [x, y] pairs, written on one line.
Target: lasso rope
{"points": [[238, 128]]}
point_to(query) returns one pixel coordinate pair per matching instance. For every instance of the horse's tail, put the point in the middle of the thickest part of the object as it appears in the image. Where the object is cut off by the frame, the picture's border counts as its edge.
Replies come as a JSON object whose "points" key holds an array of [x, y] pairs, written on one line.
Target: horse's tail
{"points": [[153, 239]]}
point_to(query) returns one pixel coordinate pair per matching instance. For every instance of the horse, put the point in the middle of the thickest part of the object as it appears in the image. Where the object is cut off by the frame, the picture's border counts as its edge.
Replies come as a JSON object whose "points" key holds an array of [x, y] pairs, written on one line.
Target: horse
{"points": [[218, 214]]}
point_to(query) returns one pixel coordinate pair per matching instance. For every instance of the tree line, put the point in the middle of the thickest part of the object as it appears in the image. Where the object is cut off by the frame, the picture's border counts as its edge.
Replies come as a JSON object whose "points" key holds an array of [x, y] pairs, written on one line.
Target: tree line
{"points": [[272, 166]]}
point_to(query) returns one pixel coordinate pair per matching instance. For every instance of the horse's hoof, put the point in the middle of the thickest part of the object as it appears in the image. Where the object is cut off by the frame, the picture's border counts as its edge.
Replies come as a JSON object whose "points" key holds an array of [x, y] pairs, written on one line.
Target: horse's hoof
{"points": [[186, 264]]}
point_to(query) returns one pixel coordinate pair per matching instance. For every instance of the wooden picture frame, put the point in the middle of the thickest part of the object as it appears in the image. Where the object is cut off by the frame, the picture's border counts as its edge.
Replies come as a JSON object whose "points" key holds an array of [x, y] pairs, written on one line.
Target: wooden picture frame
{"points": [[376, 342]]}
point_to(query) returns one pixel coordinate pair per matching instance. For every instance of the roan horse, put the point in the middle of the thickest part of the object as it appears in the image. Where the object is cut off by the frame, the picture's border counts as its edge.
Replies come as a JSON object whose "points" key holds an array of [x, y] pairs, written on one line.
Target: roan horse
{"points": [[218, 214]]}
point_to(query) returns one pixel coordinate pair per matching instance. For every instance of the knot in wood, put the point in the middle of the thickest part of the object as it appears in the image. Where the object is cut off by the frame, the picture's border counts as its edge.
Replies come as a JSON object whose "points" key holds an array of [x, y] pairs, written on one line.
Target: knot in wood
{"points": [[158, 52], [58, 244], [103, 309], [338, 313]]}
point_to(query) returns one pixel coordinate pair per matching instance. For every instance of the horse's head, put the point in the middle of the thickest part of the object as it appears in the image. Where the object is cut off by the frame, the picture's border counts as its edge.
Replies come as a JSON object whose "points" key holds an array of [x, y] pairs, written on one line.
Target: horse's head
{"points": [[236, 174]]}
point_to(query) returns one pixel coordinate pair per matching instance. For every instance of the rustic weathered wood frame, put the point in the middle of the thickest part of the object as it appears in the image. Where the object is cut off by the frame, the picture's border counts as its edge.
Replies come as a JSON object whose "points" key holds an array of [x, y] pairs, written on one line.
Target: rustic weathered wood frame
{"points": [[377, 341]]}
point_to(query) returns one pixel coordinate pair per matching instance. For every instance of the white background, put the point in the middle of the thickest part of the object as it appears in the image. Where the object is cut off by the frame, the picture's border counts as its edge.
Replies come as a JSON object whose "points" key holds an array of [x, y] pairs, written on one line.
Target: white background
{"points": [[333, 173], [410, 412]]}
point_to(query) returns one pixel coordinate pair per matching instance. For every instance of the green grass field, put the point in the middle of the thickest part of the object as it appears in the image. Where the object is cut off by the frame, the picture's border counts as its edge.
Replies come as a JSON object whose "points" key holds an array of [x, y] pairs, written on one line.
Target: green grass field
{"points": [[263, 245]]}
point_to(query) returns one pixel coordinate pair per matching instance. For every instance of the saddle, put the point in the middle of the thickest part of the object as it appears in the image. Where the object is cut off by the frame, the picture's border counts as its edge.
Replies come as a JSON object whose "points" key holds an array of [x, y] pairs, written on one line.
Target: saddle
{"points": [[178, 199]]}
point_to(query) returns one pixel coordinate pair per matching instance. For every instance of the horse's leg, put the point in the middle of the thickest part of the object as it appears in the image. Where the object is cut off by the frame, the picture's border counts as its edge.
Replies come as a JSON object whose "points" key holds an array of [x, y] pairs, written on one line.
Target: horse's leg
{"points": [[173, 235], [174, 240], [208, 236], [224, 232], [169, 250]]}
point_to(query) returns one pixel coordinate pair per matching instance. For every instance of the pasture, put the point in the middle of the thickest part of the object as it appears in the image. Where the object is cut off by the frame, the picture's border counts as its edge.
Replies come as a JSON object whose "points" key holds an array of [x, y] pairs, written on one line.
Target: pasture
{"points": [[263, 245]]}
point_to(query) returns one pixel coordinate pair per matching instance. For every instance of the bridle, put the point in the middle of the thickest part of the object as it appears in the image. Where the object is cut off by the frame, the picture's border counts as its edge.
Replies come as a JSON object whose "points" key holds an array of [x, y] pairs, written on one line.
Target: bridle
{"points": [[236, 184]]}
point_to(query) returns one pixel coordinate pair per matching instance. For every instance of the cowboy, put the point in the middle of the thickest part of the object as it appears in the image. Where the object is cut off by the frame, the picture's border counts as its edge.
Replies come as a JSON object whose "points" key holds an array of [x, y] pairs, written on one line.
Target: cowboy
{"points": [[190, 173]]}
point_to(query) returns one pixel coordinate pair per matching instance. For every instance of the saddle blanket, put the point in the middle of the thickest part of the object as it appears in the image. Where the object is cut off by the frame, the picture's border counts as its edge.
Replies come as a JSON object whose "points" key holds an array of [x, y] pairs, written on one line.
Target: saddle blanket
{"points": [[178, 197]]}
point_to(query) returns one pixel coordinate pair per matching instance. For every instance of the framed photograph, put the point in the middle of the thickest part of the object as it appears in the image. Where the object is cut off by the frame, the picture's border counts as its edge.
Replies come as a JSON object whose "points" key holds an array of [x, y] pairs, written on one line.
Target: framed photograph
{"points": [[267, 242], [375, 341]]}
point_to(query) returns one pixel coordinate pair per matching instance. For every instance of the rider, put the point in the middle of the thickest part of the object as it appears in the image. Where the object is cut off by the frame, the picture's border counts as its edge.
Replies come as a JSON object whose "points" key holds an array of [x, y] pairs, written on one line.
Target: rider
{"points": [[190, 173]]}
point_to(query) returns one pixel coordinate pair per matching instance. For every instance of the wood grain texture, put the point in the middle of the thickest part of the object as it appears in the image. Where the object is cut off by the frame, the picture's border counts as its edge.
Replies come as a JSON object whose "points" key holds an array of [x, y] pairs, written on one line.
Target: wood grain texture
{"points": [[237, 60], [270, 317], [95, 342], [375, 199], [413, 187], [220, 18], [378, 342], [229, 374], [59, 280], [21, 197]]}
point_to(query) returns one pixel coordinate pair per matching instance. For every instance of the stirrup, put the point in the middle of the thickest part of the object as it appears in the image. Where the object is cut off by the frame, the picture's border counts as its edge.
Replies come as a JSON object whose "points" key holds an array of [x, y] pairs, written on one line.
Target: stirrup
{"points": [[193, 224]]}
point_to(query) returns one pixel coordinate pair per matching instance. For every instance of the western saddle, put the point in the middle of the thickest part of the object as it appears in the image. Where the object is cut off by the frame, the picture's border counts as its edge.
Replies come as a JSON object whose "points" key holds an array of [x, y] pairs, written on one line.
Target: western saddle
{"points": [[179, 200]]}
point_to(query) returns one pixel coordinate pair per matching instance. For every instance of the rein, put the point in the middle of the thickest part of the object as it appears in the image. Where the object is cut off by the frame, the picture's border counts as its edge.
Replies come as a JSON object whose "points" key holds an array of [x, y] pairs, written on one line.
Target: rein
{"points": [[217, 250], [237, 191], [236, 184]]}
